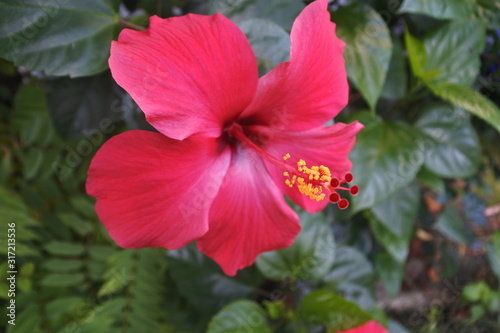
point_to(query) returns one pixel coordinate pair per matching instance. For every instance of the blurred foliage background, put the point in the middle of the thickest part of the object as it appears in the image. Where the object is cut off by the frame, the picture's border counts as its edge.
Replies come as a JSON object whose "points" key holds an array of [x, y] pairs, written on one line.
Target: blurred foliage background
{"points": [[418, 249]]}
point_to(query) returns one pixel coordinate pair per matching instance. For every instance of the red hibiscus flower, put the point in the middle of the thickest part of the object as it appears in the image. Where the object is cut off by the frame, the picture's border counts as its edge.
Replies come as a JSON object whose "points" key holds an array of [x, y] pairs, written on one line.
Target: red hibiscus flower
{"points": [[214, 173], [368, 327]]}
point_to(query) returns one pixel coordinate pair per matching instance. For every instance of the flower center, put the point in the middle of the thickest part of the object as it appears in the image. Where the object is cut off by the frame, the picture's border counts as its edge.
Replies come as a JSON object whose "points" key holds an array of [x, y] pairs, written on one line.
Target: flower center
{"points": [[315, 182]]}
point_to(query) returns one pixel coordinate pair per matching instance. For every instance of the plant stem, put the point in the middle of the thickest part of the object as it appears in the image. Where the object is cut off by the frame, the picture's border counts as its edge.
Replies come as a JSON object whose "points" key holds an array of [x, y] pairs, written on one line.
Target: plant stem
{"points": [[130, 25]]}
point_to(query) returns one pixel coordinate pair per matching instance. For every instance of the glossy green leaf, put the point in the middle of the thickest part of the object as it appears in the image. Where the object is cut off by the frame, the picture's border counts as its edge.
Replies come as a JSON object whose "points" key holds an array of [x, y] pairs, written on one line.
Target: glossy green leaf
{"points": [[451, 53], [282, 12], [352, 275], [270, 42], [396, 82], [452, 226], [350, 265], [453, 149], [493, 252], [469, 100], [386, 157], [203, 283], [326, 308], [240, 316], [431, 180], [84, 107], [58, 37], [396, 246], [441, 9], [368, 48], [398, 212], [390, 272], [417, 55], [309, 258]]}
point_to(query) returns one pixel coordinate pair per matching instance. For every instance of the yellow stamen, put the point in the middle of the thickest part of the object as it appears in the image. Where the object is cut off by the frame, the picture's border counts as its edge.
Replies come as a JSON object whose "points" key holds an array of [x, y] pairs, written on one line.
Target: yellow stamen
{"points": [[309, 181]]}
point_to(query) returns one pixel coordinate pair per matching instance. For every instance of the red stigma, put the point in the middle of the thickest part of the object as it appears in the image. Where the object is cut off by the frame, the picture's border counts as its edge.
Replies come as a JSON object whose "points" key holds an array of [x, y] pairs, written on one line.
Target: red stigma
{"points": [[334, 182], [343, 204], [348, 177], [354, 190], [335, 197]]}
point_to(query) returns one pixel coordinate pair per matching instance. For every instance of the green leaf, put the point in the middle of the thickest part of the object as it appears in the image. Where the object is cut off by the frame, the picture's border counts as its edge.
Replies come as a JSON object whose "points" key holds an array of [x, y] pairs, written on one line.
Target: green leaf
{"points": [[469, 100], [368, 48], [390, 272], [309, 258], [398, 212], [451, 225], [203, 283], [13, 209], [64, 248], [270, 42], [59, 307], [29, 117], [440, 9], [32, 161], [352, 275], [350, 265], [322, 307], [281, 12], [119, 272], [396, 82], [240, 316], [461, 41], [386, 157], [62, 265], [84, 205], [493, 252], [61, 38], [27, 321], [453, 149], [432, 181], [395, 245], [476, 291], [77, 224], [365, 117], [488, 11], [84, 108], [62, 280], [416, 54]]}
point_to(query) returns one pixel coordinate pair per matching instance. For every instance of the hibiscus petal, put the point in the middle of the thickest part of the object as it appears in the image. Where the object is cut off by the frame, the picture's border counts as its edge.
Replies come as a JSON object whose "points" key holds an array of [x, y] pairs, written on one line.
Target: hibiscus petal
{"points": [[153, 191], [312, 87], [189, 74], [369, 327], [248, 217], [329, 146]]}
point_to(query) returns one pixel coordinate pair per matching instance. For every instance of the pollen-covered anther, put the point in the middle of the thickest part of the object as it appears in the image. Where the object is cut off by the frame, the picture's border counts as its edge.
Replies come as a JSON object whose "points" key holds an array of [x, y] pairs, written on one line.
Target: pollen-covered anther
{"points": [[309, 181]]}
